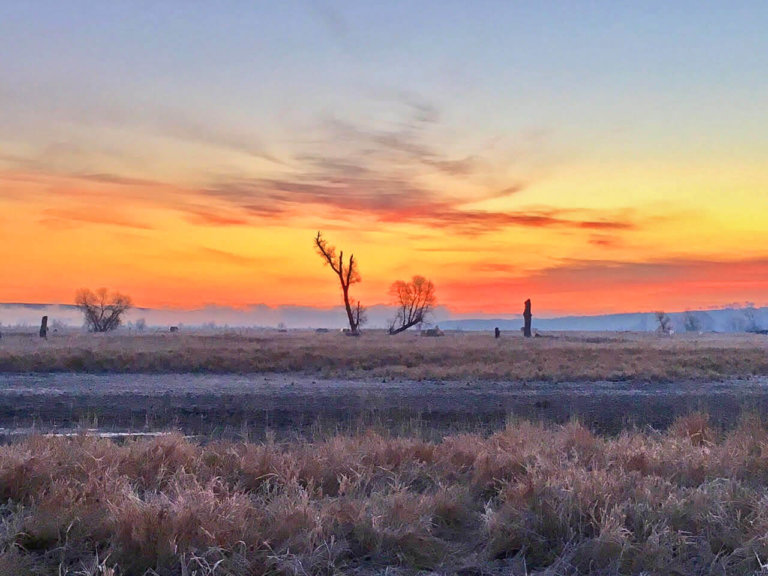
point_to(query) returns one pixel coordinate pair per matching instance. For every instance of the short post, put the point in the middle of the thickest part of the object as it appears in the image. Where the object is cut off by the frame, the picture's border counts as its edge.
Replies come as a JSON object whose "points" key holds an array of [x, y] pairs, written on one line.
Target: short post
{"points": [[44, 327], [496, 332], [527, 317]]}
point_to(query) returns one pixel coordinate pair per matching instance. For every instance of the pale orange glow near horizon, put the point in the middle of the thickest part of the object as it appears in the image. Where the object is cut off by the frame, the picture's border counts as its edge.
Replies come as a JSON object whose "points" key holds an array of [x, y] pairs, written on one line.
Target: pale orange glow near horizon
{"points": [[173, 247]]}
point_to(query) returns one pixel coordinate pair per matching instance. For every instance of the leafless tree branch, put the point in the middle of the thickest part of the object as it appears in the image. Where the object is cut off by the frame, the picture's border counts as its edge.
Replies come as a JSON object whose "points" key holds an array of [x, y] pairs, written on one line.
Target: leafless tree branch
{"points": [[414, 301], [103, 311], [348, 274]]}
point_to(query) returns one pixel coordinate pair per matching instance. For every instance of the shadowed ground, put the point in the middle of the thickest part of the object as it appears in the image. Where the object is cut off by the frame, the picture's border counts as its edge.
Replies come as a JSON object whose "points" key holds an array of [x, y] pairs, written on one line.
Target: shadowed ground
{"points": [[235, 405]]}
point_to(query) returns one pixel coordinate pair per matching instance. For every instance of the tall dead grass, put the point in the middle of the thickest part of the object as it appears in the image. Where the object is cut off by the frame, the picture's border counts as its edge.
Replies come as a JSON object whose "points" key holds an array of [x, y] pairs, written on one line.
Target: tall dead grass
{"points": [[563, 357], [529, 499]]}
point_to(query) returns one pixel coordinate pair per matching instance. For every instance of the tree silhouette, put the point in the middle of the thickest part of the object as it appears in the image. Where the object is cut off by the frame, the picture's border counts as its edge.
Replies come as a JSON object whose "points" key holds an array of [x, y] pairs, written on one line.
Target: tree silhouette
{"points": [[414, 300], [691, 321], [665, 323], [348, 274], [103, 310]]}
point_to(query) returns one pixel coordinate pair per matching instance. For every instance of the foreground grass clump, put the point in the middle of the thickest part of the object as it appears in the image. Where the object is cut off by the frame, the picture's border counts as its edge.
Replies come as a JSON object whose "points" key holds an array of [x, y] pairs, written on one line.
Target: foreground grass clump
{"points": [[375, 355], [526, 500]]}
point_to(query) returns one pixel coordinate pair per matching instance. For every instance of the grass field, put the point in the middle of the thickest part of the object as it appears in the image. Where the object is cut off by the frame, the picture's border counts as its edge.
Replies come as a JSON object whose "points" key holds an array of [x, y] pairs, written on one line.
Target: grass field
{"points": [[526, 500], [375, 355]]}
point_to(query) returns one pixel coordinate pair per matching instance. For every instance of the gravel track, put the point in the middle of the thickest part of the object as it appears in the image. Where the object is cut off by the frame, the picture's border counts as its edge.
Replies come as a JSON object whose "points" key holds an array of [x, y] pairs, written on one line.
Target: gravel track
{"points": [[231, 405]]}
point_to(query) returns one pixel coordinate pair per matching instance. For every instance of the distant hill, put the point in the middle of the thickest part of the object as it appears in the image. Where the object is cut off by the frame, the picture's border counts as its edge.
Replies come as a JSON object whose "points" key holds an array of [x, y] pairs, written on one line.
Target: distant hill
{"points": [[723, 320], [633, 321]]}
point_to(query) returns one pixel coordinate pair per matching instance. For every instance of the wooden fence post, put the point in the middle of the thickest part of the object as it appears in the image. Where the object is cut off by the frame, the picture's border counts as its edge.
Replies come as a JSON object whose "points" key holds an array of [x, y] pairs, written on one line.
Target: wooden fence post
{"points": [[527, 317]]}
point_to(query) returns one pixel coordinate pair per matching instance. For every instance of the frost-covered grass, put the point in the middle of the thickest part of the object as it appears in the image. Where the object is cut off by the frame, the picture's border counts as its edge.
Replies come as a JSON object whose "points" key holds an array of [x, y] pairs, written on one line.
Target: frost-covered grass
{"points": [[528, 499]]}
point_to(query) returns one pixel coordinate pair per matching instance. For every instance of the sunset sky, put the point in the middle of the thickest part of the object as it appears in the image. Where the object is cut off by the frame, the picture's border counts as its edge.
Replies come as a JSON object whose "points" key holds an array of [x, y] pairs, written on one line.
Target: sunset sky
{"points": [[594, 156]]}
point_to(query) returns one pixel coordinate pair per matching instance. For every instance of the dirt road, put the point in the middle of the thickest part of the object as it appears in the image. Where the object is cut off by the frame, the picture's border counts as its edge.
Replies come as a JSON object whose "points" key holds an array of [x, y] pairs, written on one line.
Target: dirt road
{"points": [[232, 405]]}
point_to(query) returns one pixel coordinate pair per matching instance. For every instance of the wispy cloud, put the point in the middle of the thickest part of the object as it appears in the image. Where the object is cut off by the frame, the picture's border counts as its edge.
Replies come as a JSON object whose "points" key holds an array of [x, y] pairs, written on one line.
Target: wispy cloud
{"points": [[68, 218], [393, 200], [230, 257], [210, 217], [390, 173], [376, 171], [604, 241], [107, 178]]}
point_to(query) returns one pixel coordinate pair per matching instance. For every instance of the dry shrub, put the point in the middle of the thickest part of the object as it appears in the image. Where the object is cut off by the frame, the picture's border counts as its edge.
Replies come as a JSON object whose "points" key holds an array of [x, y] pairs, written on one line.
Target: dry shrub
{"points": [[457, 454], [494, 466], [152, 530], [323, 466], [453, 511], [632, 452], [64, 512], [397, 528], [695, 427], [745, 451], [579, 441], [328, 558], [15, 563], [608, 550], [153, 464], [392, 453], [259, 464], [26, 469], [293, 520]]}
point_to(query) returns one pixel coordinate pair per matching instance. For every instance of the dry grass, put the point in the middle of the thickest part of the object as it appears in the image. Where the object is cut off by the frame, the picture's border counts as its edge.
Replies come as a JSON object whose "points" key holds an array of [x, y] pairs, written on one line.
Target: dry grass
{"points": [[526, 500], [564, 357]]}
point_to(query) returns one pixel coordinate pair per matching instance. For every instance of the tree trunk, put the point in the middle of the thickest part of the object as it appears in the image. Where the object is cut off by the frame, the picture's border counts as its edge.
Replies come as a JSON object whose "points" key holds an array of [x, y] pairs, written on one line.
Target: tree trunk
{"points": [[404, 327], [44, 327], [527, 317], [350, 315]]}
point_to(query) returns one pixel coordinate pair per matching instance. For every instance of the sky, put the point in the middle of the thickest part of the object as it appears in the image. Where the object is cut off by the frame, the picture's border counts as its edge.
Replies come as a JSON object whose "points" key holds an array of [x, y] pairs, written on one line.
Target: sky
{"points": [[596, 157]]}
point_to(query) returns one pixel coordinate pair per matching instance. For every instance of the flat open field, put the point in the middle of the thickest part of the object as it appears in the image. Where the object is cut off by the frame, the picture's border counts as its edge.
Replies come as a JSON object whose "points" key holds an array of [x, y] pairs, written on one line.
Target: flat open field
{"points": [[289, 405], [324, 454], [564, 357], [242, 385]]}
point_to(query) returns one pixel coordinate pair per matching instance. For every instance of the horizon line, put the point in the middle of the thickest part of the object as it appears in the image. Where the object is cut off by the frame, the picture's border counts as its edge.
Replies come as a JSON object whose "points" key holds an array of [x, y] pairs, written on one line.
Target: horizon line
{"points": [[464, 315]]}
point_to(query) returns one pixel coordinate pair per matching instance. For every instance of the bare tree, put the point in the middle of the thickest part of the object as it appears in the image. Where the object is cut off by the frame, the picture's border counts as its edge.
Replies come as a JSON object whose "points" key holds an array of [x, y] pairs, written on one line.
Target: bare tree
{"points": [[348, 274], [752, 324], [665, 323], [414, 301], [692, 321], [103, 310]]}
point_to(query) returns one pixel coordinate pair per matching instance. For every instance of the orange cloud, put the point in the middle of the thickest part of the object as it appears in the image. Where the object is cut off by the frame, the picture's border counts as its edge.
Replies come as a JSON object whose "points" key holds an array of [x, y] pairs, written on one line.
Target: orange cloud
{"points": [[608, 286]]}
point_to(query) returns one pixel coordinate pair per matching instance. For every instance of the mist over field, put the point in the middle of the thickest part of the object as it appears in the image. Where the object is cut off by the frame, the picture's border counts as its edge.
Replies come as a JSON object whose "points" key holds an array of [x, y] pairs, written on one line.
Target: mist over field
{"points": [[734, 319]]}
